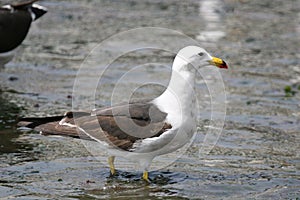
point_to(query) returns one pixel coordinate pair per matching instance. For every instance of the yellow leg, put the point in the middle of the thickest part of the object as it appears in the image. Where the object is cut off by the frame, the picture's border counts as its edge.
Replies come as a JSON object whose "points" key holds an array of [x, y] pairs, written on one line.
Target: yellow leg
{"points": [[111, 160], [146, 176]]}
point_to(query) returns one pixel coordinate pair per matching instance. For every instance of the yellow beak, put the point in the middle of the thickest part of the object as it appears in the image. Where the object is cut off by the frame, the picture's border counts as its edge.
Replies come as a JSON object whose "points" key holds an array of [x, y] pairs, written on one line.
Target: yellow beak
{"points": [[218, 62]]}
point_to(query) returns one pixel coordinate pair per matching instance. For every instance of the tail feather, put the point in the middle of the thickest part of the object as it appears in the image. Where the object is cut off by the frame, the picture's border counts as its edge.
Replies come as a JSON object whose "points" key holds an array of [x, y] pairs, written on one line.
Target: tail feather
{"points": [[51, 125], [54, 128], [33, 122], [36, 10]]}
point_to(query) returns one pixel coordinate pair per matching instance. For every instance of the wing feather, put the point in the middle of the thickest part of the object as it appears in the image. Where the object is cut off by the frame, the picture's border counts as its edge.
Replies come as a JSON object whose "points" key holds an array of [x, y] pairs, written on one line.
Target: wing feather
{"points": [[141, 119]]}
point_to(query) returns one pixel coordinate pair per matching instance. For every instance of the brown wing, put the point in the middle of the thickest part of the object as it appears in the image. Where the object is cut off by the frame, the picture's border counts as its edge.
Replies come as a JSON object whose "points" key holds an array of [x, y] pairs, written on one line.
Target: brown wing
{"points": [[120, 126], [139, 110]]}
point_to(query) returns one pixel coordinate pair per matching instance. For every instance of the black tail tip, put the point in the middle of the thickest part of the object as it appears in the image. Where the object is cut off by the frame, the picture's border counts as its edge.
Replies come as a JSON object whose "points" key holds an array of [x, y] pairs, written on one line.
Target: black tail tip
{"points": [[38, 11]]}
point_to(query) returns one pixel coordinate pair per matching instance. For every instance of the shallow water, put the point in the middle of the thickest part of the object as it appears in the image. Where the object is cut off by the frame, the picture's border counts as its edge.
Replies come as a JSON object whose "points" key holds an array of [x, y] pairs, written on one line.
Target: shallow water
{"points": [[257, 155]]}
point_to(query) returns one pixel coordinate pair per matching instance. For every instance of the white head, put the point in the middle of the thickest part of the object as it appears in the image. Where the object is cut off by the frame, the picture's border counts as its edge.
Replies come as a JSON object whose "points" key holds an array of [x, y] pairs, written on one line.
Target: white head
{"points": [[192, 58], [180, 91]]}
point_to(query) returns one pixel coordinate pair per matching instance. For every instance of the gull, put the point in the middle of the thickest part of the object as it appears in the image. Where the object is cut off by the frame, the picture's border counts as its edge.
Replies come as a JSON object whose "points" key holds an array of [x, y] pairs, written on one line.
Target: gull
{"points": [[140, 130]]}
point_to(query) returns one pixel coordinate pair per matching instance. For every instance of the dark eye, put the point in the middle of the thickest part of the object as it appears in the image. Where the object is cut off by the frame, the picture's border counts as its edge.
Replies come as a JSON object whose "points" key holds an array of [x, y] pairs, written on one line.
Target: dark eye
{"points": [[201, 54]]}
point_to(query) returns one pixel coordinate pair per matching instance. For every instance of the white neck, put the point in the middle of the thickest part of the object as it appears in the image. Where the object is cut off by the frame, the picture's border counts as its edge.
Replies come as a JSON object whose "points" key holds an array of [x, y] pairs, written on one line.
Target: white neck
{"points": [[179, 97]]}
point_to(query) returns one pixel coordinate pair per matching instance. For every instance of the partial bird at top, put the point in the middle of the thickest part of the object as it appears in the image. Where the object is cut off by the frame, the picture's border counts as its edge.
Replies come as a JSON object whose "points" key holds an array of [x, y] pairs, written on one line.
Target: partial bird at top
{"points": [[15, 21]]}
